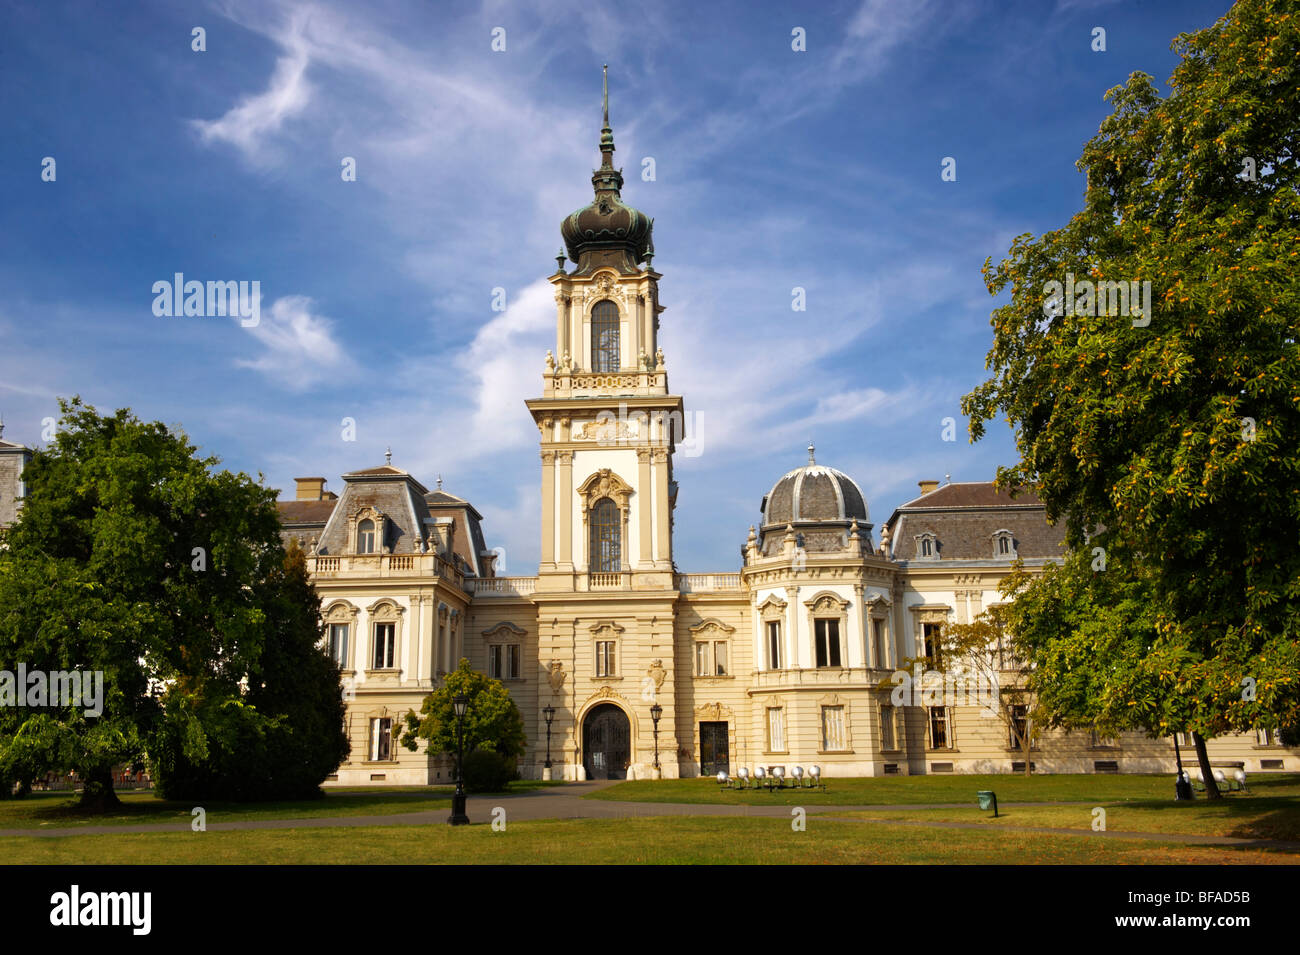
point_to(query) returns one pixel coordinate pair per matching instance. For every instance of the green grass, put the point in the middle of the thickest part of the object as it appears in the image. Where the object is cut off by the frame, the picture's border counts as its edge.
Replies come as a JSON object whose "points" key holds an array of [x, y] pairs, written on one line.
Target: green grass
{"points": [[57, 810], [911, 790], [1262, 817], [668, 840]]}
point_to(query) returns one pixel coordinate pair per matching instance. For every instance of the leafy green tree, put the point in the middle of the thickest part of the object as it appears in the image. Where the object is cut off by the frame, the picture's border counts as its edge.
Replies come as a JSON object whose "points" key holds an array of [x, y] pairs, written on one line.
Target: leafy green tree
{"points": [[987, 653], [284, 735], [1176, 428], [492, 722], [133, 557]]}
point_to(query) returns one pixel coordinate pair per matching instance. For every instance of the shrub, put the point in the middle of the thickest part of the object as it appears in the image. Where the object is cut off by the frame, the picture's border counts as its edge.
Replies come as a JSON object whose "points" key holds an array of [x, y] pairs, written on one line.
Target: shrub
{"points": [[487, 771]]}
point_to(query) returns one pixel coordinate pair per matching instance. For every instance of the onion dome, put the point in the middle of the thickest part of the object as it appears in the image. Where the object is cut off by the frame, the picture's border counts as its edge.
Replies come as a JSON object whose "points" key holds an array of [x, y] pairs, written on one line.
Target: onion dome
{"points": [[607, 231]]}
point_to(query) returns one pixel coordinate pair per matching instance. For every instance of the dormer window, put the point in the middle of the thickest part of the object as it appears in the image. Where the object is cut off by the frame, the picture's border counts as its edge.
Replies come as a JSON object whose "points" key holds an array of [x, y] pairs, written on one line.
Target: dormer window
{"points": [[366, 537], [1004, 545], [927, 547]]}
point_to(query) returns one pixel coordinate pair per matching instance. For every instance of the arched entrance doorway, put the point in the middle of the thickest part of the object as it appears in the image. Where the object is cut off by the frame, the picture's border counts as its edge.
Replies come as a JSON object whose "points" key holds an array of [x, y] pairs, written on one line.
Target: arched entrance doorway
{"points": [[606, 742]]}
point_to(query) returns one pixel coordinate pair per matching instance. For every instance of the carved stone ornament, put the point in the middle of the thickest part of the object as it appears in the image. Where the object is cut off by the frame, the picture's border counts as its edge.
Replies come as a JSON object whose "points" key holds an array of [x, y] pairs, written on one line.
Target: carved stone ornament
{"points": [[657, 673], [605, 483], [713, 712], [555, 676]]}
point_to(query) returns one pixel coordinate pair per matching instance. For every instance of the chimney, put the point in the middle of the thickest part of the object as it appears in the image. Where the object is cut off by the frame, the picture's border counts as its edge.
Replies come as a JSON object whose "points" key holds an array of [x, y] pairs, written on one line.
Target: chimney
{"points": [[310, 489], [927, 486]]}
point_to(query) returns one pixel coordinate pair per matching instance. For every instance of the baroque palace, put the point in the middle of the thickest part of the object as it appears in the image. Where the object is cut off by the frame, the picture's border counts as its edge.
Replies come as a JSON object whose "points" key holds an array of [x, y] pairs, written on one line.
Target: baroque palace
{"points": [[787, 661]]}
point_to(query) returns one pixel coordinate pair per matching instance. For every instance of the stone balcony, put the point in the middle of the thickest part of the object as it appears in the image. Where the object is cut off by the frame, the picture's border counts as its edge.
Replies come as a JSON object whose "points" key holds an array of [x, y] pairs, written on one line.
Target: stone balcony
{"points": [[324, 567], [501, 586]]}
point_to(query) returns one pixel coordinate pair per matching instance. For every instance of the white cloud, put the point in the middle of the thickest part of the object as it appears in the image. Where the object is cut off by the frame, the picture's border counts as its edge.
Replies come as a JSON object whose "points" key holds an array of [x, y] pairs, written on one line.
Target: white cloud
{"points": [[248, 125], [500, 359], [300, 345]]}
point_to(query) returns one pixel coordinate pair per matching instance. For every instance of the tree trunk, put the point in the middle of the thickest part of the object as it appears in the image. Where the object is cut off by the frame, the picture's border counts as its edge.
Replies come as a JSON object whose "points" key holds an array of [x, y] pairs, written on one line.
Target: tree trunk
{"points": [[1211, 787], [97, 795]]}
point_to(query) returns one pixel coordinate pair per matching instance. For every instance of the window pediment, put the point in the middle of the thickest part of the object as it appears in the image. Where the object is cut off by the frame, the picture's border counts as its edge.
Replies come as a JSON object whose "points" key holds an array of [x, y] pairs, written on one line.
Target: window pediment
{"points": [[605, 483]]}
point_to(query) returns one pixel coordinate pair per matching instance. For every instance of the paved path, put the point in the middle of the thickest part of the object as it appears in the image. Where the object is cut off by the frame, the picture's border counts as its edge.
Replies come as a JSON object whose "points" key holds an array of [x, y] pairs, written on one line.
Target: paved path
{"points": [[567, 802]]}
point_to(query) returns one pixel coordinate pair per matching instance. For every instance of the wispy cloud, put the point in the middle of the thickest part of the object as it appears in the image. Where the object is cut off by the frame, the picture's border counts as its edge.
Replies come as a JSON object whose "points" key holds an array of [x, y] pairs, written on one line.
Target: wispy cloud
{"points": [[300, 349], [248, 125]]}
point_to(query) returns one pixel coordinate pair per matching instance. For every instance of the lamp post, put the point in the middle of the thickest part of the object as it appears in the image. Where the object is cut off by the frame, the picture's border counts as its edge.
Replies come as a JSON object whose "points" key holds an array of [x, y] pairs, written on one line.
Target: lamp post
{"points": [[656, 712], [1182, 788], [459, 703], [548, 711]]}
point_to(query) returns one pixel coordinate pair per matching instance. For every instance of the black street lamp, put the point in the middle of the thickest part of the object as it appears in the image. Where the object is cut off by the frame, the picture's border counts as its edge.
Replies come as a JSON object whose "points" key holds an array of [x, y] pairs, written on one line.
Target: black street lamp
{"points": [[548, 711], [459, 703], [656, 712], [1182, 787]]}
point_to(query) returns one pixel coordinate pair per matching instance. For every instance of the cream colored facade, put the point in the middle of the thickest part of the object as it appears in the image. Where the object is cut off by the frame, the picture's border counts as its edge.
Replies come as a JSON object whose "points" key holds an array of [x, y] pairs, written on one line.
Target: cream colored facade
{"points": [[787, 660]]}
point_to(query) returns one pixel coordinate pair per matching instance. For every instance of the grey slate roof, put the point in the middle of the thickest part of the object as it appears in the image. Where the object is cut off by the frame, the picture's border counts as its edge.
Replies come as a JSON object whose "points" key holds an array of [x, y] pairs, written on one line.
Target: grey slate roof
{"points": [[964, 518]]}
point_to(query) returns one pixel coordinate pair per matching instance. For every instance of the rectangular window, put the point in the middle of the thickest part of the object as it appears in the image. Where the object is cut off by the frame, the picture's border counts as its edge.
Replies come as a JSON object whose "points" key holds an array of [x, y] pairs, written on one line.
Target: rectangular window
{"points": [[930, 643], [887, 728], [1020, 728], [833, 728], [701, 659], [339, 644], [878, 643], [381, 739], [605, 658], [385, 646], [503, 661], [939, 727], [719, 659], [775, 729], [773, 645], [828, 643]]}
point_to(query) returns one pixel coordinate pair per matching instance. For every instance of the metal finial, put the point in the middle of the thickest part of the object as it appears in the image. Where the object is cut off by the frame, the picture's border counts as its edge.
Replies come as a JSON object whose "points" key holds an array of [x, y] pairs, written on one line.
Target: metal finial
{"points": [[605, 86], [947, 479], [388, 456], [811, 449], [439, 482], [2, 426]]}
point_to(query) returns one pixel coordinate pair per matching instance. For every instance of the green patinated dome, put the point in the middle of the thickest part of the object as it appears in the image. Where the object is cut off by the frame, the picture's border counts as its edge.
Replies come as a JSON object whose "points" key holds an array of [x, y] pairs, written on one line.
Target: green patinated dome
{"points": [[607, 231]]}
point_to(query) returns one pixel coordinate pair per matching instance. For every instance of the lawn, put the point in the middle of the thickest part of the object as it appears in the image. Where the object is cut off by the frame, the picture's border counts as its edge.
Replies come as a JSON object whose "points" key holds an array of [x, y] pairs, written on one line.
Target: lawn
{"points": [[1261, 817], [57, 810], [911, 790], [665, 840]]}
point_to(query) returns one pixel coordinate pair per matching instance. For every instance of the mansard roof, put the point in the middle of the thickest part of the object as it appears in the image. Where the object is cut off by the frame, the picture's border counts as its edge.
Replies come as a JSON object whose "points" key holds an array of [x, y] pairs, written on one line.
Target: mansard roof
{"points": [[964, 520]]}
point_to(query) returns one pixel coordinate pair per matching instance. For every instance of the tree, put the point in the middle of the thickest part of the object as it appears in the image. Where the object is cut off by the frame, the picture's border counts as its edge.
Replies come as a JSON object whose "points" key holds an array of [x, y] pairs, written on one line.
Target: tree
{"points": [[134, 559], [284, 735], [1175, 427], [492, 722], [985, 653]]}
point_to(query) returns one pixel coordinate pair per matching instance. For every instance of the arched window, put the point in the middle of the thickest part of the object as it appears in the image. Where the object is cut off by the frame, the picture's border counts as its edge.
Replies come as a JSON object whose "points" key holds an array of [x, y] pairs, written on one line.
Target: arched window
{"points": [[604, 337], [366, 537], [606, 532]]}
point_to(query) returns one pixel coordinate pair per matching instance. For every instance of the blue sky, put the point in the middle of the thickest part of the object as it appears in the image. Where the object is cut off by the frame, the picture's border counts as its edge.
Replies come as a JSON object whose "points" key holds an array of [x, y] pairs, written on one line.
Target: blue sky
{"points": [[773, 169]]}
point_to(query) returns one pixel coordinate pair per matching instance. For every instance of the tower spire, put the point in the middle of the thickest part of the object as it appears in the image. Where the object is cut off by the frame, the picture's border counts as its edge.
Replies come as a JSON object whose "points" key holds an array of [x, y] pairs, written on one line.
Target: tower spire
{"points": [[606, 131]]}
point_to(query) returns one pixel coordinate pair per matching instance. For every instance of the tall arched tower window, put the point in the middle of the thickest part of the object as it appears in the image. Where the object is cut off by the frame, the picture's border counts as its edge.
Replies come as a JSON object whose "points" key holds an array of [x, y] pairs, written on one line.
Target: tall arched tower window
{"points": [[606, 538], [604, 337]]}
